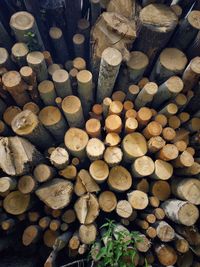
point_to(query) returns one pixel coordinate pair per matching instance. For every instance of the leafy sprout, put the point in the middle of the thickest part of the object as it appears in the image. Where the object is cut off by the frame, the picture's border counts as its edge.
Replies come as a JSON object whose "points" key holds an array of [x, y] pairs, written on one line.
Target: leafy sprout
{"points": [[32, 41]]}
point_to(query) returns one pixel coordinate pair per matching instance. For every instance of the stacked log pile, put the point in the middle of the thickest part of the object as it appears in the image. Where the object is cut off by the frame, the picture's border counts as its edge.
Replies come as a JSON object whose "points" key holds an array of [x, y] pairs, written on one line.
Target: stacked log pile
{"points": [[112, 135]]}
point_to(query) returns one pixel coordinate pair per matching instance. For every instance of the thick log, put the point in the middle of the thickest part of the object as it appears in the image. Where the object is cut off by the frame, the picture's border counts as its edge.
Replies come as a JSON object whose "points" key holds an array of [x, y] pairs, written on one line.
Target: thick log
{"points": [[25, 29], [49, 238], [158, 21], [142, 166], [153, 129], [16, 87], [87, 209], [167, 256], [59, 44], [181, 212], [163, 170], [119, 179], [26, 184], [37, 62], [18, 156], [113, 156], [124, 209], [54, 122], [43, 173], [138, 199], [164, 231], [95, 149], [31, 235], [185, 159], [56, 194], [113, 124], [146, 95], [99, 171], [69, 172], [162, 119], [76, 141], [191, 74], [161, 189], [19, 53], [62, 83], [16, 203], [47, 92], [107, 201], [85, 184], [168, 152], [27, 124], [174, 122], [116, 107], [93, 128], [168, 134]]}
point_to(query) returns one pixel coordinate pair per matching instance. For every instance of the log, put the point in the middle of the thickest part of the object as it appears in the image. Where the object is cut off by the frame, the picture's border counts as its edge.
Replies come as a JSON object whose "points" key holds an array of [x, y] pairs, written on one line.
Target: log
{"points": [[161, 189], [124, 209], [149, 217], [131, 125], [31, 235], [56, 193], [188, 29], [112, 139], [7, 184], [59, 158], [93, 128], [138, 199], [18, 156], [37, 62], [79, 63], [69, 172], [155, 144], [79, 45], [107, 201], [5, 59], [146, 95], [134, 145], [16, 203], [49, 238], [171, 62], [53, 121], [168, 152], [83, 27], [69, 216], [119, 179], [132, 92], [191, 74], [189, 171], [7, 224], [143, 116], [181, 212], [47, 92], [87, 209], [27, 124], [185, 159], [113, 124], [154, 201], [54, 225], [87, 233], [174, 122], [59, 44], [72, 109], [118, 96], [113, 156], [25, 30], [116, 107], [168, 134], [166, 254], [99, 171], [52, 68], [184, 117], [26, 184], [127, 105], [17, 89], [48, 58], [95, 149], [163, 170], [32, 106], [162, 119], [43, 172], [76, 141], [185, 259], [62, 83], [85, 184], [181, 244], [19, 53], [33, 216], [141, 185], [142, 166], [158, 21], [193, 125], [169, 89], [153, 129], [110, 63], [164, 231], [85, 90]]}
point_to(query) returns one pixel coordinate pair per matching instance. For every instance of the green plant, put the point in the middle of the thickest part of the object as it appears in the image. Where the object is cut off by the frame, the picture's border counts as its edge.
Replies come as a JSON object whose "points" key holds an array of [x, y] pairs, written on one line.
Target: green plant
{"points": [[119, 248], [32, 41]]}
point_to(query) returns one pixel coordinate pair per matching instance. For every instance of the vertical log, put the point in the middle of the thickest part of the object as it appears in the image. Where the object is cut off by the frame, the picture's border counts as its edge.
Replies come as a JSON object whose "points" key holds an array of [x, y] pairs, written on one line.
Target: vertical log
{"points": [[107, 201], [26, 184], [79, 45], [47, 92], [191, 74], [36, 61], [146, 95], [62, 83], [32, 107], [19, 53]]}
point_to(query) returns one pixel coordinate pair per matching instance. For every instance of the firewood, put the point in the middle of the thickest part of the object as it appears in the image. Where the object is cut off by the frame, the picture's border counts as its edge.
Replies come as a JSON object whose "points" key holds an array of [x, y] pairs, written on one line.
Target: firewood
{"points": [[185, 259], [55, 193], [142, 166], [69, 216], [115, 107], [44, 222], [26, 184], [124, 209], [146, 95], [132, 92], [7, 184], [19, 53], [118, 96], [185, 159], [47, 57], [93, 128], [189, 171], [72, 109], [119, 179], [59, 44], [181, 212], [168, 134], [7, 224], [112, 139], [32, 106], [95, 149], [99, 171], [113, 124], [69, 172], [158, 21], [181, 244], [138, 199], [85, 90], [79, 63], [193, 125], [164, 231], [74, 242], [62, 83], [171, 61], [16, 87], [134, 145], [36, 61], [141, 185], [149, 217], [143, 116], [87, 208], [168, 152], [181, 145], [59, 158], [49, 238], [79, 45], [107, 201], [154, 201], [106, 104], [87, 233], [5, 59], [58, 101], [166, 254], [75, 162], [33, 216], [22, 24], [131, 113], [64, 227], [10, 113], [31, 235], [184, 116], [161, 189], [153, 129], [47, 92], [16, 203], [18, 156], [83, 27], [76, 141], [162, 119], [142, 224], [43, 172], [163, 170], [54, 225], [191, 74], [174, 122], [53, 121], [155, 144], [85, 183]]}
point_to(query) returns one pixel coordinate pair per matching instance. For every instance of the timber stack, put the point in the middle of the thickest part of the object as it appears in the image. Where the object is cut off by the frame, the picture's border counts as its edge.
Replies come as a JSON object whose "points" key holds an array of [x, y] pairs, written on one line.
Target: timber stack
{"points": [[102, 122]]}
